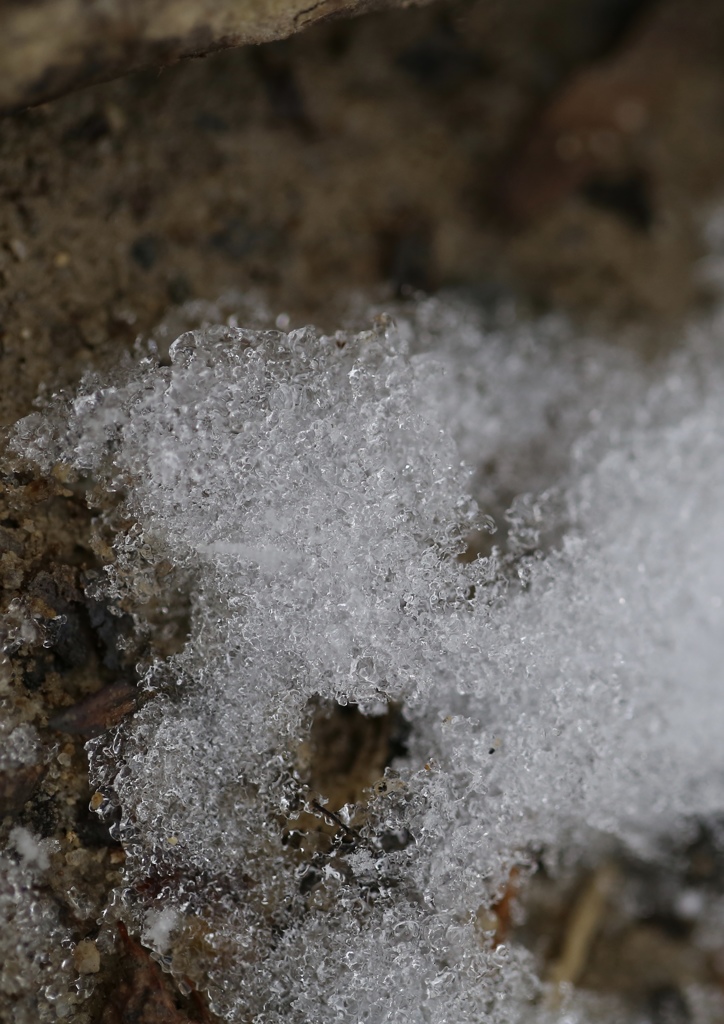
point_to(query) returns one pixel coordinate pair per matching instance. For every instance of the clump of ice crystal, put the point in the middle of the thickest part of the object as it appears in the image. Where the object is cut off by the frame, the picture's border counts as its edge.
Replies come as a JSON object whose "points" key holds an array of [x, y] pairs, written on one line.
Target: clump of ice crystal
{"points": [[36, 968], [562, 692]]}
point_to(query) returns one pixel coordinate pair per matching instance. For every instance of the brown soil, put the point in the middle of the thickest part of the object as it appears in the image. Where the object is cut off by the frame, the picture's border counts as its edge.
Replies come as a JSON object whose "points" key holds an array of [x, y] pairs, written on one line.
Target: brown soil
{"points": [[371, 154]]}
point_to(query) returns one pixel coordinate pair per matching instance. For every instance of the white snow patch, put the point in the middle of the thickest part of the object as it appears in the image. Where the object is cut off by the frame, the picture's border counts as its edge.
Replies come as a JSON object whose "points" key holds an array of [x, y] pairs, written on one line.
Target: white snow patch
{"points": [[158, 928], [31, 850], [564, 692]]}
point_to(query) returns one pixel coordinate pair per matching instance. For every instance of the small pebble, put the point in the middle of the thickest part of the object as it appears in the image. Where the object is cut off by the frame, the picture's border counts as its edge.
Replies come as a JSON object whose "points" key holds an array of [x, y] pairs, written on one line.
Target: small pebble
{"points": [[86, 957], [19, 249]]}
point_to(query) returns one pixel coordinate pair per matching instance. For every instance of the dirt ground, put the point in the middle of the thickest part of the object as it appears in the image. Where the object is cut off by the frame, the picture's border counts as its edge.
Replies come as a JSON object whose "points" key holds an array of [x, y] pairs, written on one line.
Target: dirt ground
{"points": [[555, 153], [373, 154]]}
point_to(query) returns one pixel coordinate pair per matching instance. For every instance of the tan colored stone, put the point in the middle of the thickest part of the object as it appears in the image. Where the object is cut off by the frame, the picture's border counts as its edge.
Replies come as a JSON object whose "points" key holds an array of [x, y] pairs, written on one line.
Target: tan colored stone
{"points": [[86, 957]]}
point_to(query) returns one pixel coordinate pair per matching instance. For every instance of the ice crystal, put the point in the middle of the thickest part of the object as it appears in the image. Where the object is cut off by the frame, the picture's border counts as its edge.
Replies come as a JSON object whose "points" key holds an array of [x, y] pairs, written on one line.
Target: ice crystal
{"points": [[19, 745], [36, 972], [563, 689]]}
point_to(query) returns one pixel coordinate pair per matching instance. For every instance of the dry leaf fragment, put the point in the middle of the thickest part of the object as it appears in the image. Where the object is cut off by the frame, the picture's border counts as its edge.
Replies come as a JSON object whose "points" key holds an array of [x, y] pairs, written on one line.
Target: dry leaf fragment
{"points": [[585, 921]]}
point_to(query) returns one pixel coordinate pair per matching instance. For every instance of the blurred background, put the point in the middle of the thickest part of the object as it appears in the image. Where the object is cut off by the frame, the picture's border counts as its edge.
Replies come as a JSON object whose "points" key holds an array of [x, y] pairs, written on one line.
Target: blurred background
{"points": [[559, 153]]}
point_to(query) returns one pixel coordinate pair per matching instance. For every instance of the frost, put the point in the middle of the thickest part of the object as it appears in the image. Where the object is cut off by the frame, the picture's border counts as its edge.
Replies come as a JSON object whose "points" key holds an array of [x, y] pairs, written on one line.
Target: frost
{"points": [[324, 497], [31, 850], [19, 745], [159, 926], [35, 974]]}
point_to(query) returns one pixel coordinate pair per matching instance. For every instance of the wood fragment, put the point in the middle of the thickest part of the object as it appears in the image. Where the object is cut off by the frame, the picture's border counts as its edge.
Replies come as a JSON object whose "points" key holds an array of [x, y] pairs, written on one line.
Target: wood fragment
{"points": [[333, 819], [97, 713], [583, 925]]}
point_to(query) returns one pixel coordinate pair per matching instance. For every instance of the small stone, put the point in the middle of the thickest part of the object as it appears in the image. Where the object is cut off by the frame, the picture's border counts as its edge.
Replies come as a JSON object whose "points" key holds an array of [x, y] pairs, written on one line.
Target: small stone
{"points": [[86, 957], [116, 117], [19, 249], [98, 712], [11, 571]]}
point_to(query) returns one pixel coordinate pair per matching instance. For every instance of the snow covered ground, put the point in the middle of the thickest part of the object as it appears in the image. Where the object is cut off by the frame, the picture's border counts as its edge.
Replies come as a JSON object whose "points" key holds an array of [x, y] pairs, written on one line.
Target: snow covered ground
{"points": [[563, 689]]}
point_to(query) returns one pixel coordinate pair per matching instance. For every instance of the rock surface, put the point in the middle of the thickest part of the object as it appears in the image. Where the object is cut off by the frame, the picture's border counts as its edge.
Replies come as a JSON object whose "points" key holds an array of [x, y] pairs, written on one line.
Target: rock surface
{"points": [[53, 46]]}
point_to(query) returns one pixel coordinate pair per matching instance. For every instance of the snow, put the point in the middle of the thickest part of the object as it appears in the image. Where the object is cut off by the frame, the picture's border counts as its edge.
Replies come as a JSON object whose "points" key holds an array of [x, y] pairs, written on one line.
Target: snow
{"points": [[159, 926], [31, 851], [564, 691], [34, 941]]}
